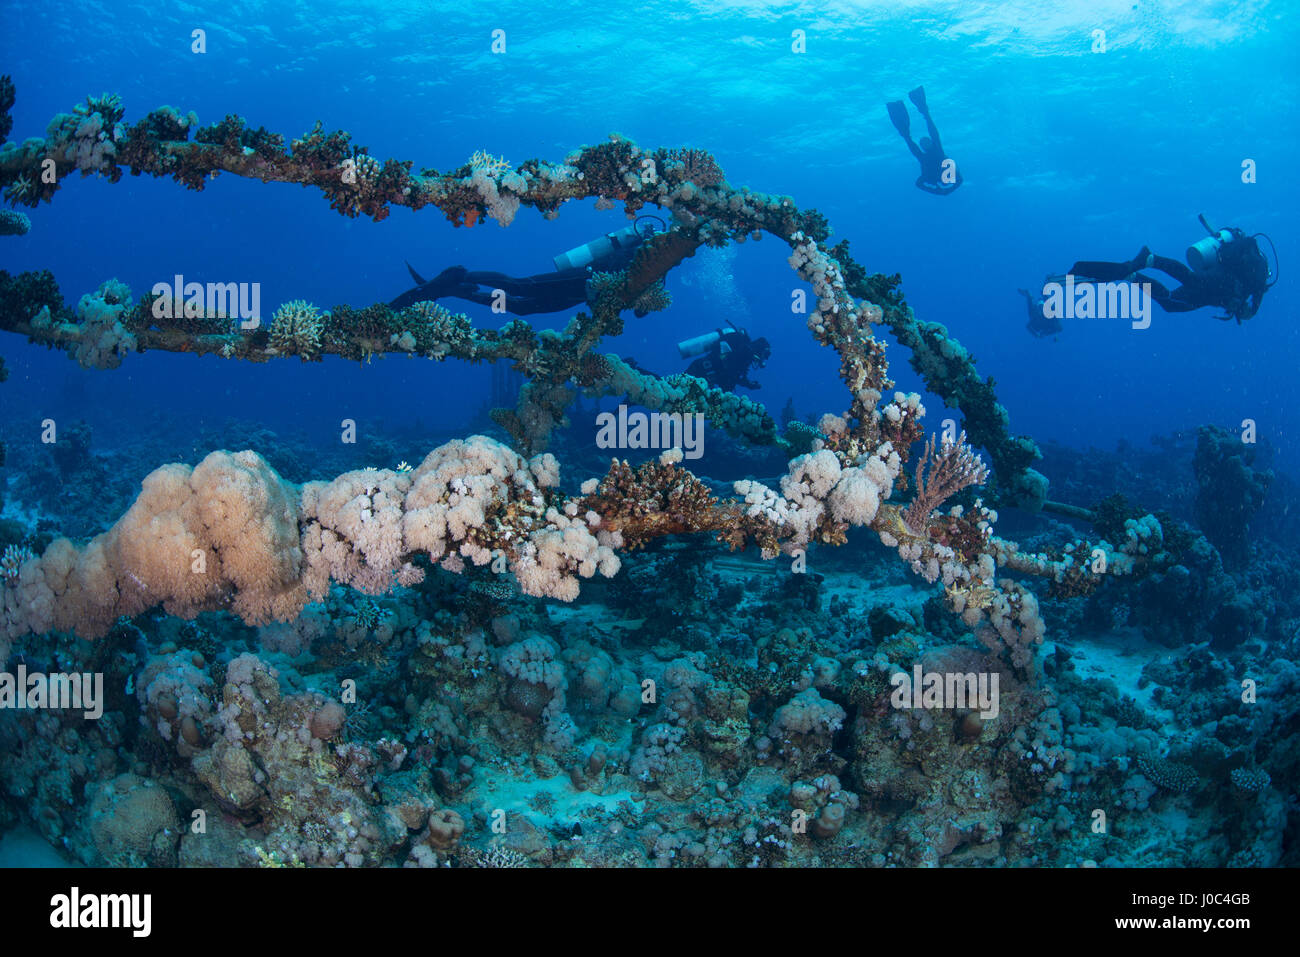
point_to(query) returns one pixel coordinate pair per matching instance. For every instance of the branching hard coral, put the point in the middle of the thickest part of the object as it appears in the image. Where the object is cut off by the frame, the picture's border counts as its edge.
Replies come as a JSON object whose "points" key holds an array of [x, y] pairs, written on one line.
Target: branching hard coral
{"points": [[489, 165], [296, 330], [955, 467], [11, 562]]}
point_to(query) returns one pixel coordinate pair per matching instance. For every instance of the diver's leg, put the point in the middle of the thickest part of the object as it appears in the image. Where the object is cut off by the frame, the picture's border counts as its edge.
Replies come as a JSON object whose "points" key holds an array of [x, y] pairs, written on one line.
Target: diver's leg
{"points": [[496, 280], [1180, 300], [902, 122], [470, 293], [1172, 267], [569, 280], [516, 305], [544, 293], [1176, 301], [933, 132], [1101, 271], [446, 283], [1159, 292]]}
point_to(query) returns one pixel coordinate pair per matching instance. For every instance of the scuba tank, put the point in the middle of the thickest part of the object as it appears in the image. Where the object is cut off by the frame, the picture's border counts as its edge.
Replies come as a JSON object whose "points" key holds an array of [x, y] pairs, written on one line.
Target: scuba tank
{"points": [[1204, 253], [627, 238], [702, 344], [598, 248]]}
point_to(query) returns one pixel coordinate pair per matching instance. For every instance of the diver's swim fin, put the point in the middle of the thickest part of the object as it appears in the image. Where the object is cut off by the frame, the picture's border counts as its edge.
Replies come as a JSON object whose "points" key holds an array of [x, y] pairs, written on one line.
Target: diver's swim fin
{"points": [[414, 275], [898, 114], [917, 97]]}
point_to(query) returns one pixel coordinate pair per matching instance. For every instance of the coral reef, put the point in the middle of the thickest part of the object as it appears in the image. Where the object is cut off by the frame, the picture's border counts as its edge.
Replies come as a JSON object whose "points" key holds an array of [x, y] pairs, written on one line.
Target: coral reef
{"points": [[358, 671], [1230, 489], [694, 713]]}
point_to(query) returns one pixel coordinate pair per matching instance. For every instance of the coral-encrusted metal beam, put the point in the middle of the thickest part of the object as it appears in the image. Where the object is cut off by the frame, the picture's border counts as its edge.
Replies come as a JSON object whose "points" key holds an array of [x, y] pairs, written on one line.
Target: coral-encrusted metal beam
{"points": [[95, 140], [853, 467]]}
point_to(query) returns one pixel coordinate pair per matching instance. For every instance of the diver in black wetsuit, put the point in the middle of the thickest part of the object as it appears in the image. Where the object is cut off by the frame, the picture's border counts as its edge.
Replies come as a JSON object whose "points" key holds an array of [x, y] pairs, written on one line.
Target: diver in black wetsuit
{"points": [[727, 362], [1228, 271], [1040, 326], [545, 292], [929, 152]]}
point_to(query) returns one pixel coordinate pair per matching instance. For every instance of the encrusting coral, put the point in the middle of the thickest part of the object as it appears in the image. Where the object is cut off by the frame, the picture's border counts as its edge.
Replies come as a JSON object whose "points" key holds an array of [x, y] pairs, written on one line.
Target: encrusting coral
{"points": [[264, 547], [689, 183]]}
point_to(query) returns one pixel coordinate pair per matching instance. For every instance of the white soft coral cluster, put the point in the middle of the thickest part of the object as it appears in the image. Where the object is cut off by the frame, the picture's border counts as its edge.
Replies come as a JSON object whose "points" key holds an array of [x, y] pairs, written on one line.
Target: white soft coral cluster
{"points": [[103, 340], [816, 481], [85, 138], [447, 508], [230, 533], [534, 661], [546, 562], [805, 486], [933, 561], [223, 534], [857, 495], [352, 532], [807, 713], [1013, 623], [1143, 541], [819, 269], [176, 698], [499, 185], [905, 406], [453, 490]]}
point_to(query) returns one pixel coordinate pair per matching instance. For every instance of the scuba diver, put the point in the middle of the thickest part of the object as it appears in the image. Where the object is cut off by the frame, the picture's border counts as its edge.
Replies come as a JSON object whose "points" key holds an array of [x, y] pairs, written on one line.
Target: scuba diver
{"points": [[546, 292], [1228, 271], [1040, 325], [725, 357], [934, 178]]}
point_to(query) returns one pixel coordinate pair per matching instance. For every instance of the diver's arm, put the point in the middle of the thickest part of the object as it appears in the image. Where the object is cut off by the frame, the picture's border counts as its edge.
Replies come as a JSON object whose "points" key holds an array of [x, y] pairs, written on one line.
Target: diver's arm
{"points": [[935, 142]]}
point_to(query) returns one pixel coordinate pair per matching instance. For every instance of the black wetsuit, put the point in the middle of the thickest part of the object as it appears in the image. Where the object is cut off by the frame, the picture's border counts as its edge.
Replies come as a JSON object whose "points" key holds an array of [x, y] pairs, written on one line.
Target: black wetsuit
{"points": [[1235, 282], [1040, 326], [524, 295], [932, 156], [727, 367]]}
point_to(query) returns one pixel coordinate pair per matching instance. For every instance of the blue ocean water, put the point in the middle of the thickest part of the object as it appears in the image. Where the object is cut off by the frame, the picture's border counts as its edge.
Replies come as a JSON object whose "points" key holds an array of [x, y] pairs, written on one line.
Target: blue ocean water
{"points": [[1067, 154], [1083, 131]]}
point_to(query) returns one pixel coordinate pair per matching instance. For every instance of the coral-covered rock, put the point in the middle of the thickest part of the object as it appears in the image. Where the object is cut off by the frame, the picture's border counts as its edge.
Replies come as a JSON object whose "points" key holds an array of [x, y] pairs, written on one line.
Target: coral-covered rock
{"points": [[133, 822]]}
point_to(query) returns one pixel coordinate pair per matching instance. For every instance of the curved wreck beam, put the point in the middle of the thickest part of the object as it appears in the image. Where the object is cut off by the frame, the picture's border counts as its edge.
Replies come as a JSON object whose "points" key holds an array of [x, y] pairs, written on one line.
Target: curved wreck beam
{"points": [[852, 470], [95, 140]]}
